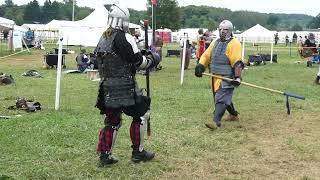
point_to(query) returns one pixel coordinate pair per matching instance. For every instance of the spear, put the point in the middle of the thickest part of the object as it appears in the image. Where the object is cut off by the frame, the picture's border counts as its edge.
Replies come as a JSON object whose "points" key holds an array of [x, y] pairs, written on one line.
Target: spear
{"points": [[287, 94], [146, 24]]}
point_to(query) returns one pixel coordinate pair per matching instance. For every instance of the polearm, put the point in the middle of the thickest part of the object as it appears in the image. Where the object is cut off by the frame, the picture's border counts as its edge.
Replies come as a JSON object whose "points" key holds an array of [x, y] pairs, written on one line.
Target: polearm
{"points": [[184, 56], [146, 24], [264, 88]]}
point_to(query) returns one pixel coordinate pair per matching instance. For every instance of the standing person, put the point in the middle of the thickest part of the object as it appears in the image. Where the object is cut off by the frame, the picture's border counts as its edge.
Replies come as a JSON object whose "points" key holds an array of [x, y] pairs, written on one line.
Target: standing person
{"points": [[158, 44], [276, 39], [287, 40], [224, 57], [294, 38], [5, 34], [200, 45], [118, 58], [311, 49], [187, 54], [137, 39], [207, 39], [300, 45]]}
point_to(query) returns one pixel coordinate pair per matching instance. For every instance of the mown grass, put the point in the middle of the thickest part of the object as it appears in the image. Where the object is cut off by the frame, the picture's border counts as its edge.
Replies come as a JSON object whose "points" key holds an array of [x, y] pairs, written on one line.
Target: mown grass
{"points": [[266, 144]]}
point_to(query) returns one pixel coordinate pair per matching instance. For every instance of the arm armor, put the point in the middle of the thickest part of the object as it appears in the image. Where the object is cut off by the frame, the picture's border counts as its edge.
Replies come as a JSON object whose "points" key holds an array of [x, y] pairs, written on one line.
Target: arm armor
{"points": [[149, 61], [238, 68]]}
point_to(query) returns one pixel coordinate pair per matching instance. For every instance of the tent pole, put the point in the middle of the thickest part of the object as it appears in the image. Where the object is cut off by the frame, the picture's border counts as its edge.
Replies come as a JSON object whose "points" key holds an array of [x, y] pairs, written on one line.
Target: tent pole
{"points": [[271, 58], [58, 82], [243, 45]]}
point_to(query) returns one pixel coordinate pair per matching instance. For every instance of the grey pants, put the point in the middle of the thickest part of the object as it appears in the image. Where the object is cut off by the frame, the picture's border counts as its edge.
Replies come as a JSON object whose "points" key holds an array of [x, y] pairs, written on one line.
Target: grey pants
{"points": [[223, 102]]}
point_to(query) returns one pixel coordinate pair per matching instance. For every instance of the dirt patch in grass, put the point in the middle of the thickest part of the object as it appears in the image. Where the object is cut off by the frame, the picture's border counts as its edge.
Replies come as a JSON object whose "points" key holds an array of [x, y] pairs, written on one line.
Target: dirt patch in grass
{"points": [[286, 148], [35, 60]]}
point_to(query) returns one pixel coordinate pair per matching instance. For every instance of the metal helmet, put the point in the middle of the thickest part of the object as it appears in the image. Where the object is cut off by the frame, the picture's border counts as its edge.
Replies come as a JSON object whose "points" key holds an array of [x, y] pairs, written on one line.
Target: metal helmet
{"points": [[225, 30], [119, 17]]}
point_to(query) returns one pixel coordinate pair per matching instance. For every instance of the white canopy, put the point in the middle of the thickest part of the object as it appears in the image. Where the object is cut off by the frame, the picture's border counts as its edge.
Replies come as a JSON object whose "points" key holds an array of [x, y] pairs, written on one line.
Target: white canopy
{"points": [[55, 25], [97, 19], [35, 27], [258, 33], [9, 24], [192, 33], [6, 23], [86, 32]]}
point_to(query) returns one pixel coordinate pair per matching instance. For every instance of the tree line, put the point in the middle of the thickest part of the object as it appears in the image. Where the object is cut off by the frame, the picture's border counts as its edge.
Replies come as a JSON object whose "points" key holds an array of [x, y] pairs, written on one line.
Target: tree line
{"points": [[168, 15], [34, 13]]}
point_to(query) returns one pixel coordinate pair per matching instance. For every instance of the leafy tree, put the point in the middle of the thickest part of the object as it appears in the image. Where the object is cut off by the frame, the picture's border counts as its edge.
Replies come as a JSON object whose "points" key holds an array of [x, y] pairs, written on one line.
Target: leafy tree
{"points": [[296, 27], [18, 15], [2, 10], [315, 22], [167, 14], [9, 13], [8, 9], [56, 10], [32, 12], [243, 20], [203, 16], [66, 8], [82, 12], [272, 21], [137, 16], [47, 13], [9, 3]]}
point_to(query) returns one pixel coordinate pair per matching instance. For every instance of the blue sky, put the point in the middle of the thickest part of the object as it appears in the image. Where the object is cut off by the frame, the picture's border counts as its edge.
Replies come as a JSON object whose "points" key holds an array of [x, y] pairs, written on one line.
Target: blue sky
{"points": [[310, 7]]}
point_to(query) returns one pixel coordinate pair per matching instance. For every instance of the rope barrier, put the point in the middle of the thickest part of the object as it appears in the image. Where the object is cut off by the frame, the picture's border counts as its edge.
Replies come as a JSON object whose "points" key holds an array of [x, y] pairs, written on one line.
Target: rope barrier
{"points": [[20, 51], [15, 53]]}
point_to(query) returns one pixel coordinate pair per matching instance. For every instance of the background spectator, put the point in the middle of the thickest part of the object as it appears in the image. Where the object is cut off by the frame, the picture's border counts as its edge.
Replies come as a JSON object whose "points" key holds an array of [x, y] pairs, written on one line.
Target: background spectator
{"points": [[158, 44]]}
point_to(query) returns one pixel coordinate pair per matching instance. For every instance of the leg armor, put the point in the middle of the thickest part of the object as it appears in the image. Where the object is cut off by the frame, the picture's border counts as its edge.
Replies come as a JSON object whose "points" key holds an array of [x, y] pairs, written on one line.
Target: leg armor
{"points": [[137, 130], [223, 99], [218, 113], [108, 134], [232, 110], [140, 113]]}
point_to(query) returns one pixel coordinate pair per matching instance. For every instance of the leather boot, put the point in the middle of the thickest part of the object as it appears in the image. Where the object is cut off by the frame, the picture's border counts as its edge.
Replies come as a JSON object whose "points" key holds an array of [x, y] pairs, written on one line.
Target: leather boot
{"points": [[144, 155], [106, 159], [232, 118], [212, 125]]}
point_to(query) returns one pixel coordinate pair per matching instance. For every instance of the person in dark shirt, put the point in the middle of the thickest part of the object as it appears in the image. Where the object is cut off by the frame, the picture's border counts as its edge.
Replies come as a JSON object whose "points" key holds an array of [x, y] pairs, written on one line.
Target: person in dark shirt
{"points": [[310, 49], [83, 61]]}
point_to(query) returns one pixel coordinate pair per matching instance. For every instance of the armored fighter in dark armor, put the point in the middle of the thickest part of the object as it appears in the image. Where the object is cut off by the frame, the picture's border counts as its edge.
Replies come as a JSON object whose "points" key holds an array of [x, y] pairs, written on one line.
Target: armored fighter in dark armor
{"points": [[118, 60]]}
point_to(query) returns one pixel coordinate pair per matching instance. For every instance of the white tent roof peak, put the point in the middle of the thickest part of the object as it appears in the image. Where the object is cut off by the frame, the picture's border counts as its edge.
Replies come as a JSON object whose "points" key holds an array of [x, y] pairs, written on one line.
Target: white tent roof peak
{"points": [[98, 18], [257, 31], [6, 21]]}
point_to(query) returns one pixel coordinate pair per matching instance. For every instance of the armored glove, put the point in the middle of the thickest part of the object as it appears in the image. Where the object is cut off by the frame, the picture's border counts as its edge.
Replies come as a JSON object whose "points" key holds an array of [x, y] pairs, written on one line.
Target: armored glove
{"points": [[199, 70], [149, 60], [236, 81]]}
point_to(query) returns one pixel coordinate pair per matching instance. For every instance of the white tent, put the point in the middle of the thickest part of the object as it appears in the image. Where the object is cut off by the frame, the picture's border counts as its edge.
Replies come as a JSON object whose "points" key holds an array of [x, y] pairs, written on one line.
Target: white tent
{"points": [[192, 33], [35, 27], [55, 25], [87, 31], [6, 23], [257, 33]]}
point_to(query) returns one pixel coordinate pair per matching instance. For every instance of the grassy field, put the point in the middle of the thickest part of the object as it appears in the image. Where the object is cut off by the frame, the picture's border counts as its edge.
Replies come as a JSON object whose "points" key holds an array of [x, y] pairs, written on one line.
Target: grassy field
{"points": [[265, 144]]}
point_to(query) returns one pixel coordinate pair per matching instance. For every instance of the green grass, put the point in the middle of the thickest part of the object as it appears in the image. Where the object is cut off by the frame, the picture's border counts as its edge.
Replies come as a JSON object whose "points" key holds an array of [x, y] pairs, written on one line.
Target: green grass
{"points": [[265, 144]]}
